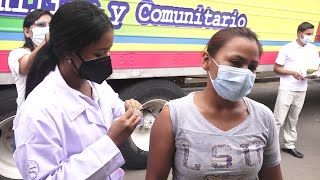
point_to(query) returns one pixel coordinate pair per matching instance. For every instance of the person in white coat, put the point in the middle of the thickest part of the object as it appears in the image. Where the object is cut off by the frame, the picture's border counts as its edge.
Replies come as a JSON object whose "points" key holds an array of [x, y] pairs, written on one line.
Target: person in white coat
{"points": [[35, 27], [72, 122]]}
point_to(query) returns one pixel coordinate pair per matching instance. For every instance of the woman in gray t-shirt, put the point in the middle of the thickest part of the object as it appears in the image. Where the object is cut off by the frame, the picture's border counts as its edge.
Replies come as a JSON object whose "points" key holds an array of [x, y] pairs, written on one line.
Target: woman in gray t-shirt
{"points": [[218, 133]]}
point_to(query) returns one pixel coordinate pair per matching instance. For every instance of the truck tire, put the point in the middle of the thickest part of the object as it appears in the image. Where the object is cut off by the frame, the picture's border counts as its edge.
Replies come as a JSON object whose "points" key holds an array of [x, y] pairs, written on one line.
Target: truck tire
{"points": [[152, 94], [8, 108]]}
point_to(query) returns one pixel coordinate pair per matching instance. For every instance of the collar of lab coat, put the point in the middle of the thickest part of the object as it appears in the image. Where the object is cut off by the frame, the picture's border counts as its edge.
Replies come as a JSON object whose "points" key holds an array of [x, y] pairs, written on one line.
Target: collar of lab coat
{"points": [[72, 100]]}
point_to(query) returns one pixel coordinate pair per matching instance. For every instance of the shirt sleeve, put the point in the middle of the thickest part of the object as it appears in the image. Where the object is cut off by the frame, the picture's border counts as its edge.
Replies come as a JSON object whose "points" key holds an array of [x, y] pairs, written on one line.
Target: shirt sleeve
{"points": [[13, 58], [40, 155], [271, 155], [117, 105], [173, 115], [282, 56]]}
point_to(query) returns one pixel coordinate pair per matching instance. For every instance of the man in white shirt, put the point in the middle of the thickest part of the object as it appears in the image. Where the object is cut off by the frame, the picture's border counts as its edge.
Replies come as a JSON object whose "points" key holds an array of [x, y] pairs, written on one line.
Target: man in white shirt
{"points": [[292, 63]]}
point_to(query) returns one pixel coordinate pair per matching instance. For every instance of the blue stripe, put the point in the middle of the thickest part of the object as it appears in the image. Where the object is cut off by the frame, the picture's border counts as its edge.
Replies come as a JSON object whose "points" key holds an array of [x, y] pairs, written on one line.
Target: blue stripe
{"points": [[11, 36], [15, 36]]}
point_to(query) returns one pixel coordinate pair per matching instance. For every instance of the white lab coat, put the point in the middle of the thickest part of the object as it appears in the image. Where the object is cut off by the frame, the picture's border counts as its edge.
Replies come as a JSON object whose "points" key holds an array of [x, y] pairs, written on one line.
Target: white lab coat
{"points": [[61, 133]]}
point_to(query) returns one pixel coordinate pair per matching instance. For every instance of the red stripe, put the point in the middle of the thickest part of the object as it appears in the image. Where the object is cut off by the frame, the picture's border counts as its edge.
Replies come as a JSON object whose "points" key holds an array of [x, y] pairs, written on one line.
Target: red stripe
{"points": [[317, 37], [268, 57], [133, 60], [4, 67], [163, 59], [146, 59]]}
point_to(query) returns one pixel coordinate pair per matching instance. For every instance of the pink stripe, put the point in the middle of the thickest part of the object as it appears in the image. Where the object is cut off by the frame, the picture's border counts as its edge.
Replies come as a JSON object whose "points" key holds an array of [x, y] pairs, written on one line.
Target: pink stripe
{"points": [[163, 59], [146, 59], [268, 57], [141, 59], [4, 67]]}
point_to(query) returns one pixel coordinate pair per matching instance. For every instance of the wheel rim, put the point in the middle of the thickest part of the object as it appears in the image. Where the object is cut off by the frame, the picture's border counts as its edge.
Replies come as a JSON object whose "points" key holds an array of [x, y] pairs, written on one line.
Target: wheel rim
{"points": [[141, 135], [8, 167]]}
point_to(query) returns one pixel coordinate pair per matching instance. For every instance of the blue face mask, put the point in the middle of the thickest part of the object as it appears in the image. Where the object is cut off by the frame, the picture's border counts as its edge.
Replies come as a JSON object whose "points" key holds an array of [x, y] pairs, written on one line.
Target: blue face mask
{"points": [[233, 83], [306, 39]]}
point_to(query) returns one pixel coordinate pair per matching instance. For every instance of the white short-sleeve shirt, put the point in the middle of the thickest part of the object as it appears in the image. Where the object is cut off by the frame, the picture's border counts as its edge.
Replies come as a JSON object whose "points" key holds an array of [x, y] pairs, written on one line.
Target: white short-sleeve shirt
{"points": [[297, 58], [20, 80]]}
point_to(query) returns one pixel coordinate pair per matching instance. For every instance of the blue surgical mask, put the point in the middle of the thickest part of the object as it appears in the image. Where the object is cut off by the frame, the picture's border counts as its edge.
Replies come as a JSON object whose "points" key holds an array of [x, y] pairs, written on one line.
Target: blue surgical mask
{"points": [[306, 39], [232, 83]]}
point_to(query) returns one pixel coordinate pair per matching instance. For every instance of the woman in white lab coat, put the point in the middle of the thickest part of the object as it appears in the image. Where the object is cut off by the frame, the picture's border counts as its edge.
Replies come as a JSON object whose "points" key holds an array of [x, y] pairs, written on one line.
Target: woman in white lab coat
{"points": [[72, 122]]}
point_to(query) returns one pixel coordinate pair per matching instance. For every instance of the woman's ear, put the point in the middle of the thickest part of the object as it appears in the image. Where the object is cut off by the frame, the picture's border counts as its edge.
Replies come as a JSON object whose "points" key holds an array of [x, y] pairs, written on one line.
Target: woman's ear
{"points": [[27, 32], [205, 61]]}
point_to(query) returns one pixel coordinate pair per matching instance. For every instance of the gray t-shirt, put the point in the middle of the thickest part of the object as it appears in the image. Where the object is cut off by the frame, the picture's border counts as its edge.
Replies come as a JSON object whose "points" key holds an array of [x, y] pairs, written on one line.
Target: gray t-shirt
{"points": [[205, 152]]}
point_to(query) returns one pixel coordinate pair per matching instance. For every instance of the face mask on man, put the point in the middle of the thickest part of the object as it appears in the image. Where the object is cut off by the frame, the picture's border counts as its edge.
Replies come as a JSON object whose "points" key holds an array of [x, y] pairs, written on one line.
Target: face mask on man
{"points": [[96, 70], [306, 39], [232, 83], [38, 34]]}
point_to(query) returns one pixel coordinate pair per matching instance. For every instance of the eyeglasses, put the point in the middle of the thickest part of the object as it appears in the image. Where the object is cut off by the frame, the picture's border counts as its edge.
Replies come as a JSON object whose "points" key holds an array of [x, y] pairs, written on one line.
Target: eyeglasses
{"points": [[41, 24]]}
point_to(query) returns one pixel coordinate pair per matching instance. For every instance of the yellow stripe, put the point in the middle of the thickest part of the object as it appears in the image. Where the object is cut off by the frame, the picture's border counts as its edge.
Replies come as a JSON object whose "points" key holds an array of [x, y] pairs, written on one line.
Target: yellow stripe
{"points": [[9, 45], [276, 48], [271, 48], [270, 19]]}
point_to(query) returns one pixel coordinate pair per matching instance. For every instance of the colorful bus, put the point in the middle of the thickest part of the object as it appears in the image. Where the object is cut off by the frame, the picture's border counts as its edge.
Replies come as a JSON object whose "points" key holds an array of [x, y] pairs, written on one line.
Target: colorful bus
{"points": [[157, 50]]}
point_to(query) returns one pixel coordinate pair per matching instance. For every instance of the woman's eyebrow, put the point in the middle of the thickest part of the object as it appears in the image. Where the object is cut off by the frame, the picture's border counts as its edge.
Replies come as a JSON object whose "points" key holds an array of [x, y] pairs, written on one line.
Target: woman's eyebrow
{"points": [[102, 49], [238, 57], [255, 63]]}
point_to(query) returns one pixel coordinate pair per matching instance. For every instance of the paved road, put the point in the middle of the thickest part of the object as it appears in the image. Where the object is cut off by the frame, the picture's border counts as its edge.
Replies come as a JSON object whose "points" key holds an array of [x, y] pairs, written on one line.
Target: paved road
{"points": [[308, 143]]}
